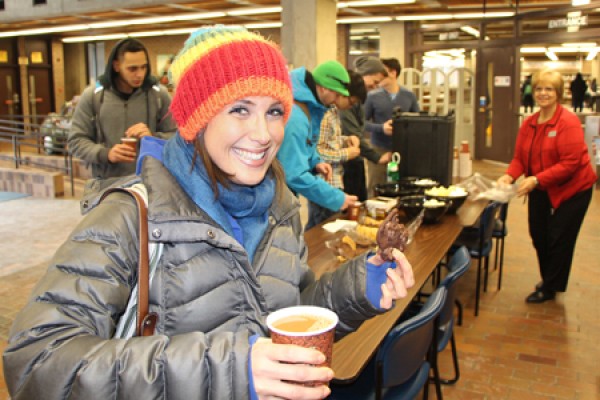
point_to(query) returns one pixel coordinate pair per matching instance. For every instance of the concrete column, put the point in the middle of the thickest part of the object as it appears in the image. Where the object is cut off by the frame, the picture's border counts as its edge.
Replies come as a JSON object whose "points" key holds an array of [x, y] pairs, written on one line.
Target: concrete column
{"points": [[58, 74], [343, 43], [595, 68], [23, 67], [392, 41], [76, 78], [308, 34]]}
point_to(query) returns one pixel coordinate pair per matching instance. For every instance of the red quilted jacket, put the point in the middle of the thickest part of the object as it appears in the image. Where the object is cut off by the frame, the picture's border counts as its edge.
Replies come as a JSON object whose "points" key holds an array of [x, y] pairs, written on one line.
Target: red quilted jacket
{"points": [[556, 153]]}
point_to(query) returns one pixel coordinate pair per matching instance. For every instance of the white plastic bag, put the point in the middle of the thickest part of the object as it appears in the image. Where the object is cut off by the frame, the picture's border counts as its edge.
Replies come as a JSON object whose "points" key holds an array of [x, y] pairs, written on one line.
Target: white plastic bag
{"points": [[480, 187]]}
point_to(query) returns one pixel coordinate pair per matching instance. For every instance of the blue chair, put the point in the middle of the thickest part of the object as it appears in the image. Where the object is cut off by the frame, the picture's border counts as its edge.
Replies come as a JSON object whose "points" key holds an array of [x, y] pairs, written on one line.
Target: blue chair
{"points": [[458, 266], [500, 232], [478, 240], [400, 369]]}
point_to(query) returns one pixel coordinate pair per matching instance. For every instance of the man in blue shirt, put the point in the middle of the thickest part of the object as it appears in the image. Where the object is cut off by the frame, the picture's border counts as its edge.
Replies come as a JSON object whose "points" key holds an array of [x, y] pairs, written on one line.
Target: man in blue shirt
{"points": [[314, 93], [379, 108]]}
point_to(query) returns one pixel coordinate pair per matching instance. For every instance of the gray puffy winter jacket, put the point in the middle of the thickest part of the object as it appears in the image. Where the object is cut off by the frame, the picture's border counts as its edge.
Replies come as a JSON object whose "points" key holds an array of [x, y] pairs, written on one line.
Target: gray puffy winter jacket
{"points": [[208, 297]]}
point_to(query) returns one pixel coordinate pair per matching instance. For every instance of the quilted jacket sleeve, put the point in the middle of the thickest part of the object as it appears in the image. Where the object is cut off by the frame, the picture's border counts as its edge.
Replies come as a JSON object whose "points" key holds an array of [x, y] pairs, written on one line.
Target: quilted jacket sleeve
{"points": [[60, 345], [344, 291]]}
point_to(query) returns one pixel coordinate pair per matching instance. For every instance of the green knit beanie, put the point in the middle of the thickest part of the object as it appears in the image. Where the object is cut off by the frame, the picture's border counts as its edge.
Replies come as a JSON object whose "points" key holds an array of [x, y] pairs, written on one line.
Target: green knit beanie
{"points": [[333, 76]]}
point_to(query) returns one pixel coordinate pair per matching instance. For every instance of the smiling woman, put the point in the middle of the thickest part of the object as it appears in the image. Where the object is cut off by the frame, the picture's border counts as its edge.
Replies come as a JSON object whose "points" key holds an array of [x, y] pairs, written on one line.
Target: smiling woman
{"points": [[551, 154], [233, 252]]}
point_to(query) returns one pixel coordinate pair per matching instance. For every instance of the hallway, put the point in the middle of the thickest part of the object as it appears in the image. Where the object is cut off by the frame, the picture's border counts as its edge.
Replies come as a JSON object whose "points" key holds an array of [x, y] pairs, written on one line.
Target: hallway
{"points": [[512, 351]]}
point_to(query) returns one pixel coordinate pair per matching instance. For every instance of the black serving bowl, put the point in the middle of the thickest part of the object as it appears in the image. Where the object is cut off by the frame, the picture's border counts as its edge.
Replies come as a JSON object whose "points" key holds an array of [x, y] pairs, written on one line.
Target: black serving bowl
{"points": [[407, 180], [454, 201], [412, 206], [396, 189]]}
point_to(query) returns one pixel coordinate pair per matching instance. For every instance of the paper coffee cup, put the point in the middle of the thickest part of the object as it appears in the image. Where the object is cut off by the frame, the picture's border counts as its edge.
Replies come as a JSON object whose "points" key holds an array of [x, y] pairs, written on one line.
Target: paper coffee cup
{"points": [[306, 326], [131, 142]]}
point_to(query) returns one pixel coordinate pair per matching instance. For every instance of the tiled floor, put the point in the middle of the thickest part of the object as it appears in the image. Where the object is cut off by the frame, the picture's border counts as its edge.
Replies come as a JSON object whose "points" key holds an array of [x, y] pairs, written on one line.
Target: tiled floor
{"points": [[511, 351]]}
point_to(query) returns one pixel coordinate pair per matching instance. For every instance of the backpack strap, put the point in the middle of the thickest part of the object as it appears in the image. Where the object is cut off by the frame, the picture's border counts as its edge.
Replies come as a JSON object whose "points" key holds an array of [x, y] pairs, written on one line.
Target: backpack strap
{"points": [[97, 100], [139, 300]]}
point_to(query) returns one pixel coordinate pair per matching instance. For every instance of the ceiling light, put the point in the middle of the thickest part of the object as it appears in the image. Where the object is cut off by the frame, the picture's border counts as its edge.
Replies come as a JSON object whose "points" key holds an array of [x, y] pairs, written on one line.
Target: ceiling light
{"points": [[41, 31], [369, 3], [198, 16], [362, 37], [591, 55], [115, 36], [127, 22], [498, 14], [264, 25], [423, 17], [576, 3], [77, 39], [551, 55], [113, 24], [358, 31], [533, 50], [470, 30], [253, 11], [363, 20], [570, 49]]}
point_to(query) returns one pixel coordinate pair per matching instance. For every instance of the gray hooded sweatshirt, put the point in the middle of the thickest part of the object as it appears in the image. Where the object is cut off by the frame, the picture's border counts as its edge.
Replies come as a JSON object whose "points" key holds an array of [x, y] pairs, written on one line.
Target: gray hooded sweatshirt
{"points": [[103, 115]]}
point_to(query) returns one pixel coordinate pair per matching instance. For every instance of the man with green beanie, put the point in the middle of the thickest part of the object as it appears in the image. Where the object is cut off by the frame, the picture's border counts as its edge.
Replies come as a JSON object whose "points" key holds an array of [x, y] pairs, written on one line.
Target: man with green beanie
{"points": [[314, 93]]}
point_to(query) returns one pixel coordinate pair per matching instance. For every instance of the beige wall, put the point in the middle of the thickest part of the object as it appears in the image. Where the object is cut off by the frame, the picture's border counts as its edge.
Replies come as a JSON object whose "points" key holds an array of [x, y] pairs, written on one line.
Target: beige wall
{"points": [[58, 77], [74, 69]]}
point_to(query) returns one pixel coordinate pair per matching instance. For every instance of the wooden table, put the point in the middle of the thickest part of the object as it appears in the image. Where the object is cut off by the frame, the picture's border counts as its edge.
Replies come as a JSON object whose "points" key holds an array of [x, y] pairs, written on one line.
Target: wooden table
{"points": [[430, 244]]}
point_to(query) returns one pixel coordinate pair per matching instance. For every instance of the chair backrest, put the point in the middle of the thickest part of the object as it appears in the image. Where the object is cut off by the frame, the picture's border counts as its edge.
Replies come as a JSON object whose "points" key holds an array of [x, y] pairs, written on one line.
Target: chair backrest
{"points": [[405, 348], [500, 226], [487, 221], [458, 265]]}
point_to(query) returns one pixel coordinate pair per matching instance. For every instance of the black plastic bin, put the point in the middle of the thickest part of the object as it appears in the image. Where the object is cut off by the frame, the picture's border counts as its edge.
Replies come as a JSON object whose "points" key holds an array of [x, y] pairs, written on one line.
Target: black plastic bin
{"points": [[426, 144]]}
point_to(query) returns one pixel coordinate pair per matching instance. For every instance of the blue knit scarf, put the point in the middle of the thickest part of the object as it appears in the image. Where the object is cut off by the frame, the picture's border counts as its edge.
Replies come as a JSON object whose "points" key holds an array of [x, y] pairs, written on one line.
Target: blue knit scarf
{"points": [[238, 206]]}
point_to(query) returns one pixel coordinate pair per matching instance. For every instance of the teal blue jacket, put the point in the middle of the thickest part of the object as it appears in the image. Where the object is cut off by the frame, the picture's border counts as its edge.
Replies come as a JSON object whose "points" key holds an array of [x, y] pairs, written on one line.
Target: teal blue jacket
{"points": [[298, 152]]}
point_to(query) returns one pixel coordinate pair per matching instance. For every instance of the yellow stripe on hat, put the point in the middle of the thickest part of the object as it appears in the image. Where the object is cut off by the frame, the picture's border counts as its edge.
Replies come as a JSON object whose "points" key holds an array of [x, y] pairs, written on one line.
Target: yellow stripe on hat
{"points": [[192, 54]]}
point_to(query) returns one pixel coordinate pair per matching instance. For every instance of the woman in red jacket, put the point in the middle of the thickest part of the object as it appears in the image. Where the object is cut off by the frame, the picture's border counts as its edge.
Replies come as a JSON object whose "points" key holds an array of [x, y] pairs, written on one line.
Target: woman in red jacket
{"points": [[558, 177]]}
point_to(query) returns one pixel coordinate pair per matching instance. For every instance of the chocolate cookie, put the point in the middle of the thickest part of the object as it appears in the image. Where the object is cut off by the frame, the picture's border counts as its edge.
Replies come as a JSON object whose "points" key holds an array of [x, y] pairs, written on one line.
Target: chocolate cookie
{"points": [[391, 235]]}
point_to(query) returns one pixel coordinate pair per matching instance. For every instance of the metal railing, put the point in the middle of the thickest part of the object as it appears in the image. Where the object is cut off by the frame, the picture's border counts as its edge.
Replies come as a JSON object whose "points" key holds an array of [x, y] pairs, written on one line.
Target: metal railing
{"points": [[47, 134]]}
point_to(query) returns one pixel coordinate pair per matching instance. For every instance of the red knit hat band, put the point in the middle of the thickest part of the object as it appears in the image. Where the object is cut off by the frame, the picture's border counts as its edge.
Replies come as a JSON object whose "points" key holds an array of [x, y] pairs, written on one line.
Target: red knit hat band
{"points": [[234, 64], [252, 86]]}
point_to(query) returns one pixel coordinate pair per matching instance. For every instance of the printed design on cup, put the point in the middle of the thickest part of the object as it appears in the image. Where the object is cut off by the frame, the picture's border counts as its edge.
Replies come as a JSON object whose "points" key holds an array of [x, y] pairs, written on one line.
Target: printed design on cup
{"points": [[306, 326]]}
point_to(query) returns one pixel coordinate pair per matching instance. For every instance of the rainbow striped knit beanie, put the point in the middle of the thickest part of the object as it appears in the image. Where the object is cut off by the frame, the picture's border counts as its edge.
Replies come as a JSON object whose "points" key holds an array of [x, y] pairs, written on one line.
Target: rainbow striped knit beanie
{"points": [[219, 65]]}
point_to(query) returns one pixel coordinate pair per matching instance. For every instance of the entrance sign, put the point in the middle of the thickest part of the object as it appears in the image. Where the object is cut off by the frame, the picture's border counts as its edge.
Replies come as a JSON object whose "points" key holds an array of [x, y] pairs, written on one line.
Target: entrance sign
{"points": [[574, 19]]}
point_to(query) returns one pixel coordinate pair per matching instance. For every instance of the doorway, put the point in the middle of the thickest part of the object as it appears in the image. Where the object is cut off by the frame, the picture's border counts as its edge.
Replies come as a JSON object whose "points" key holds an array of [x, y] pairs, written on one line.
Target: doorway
{"points": [[39, 77], [497, 121], [10, 103], [10, 93]]}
